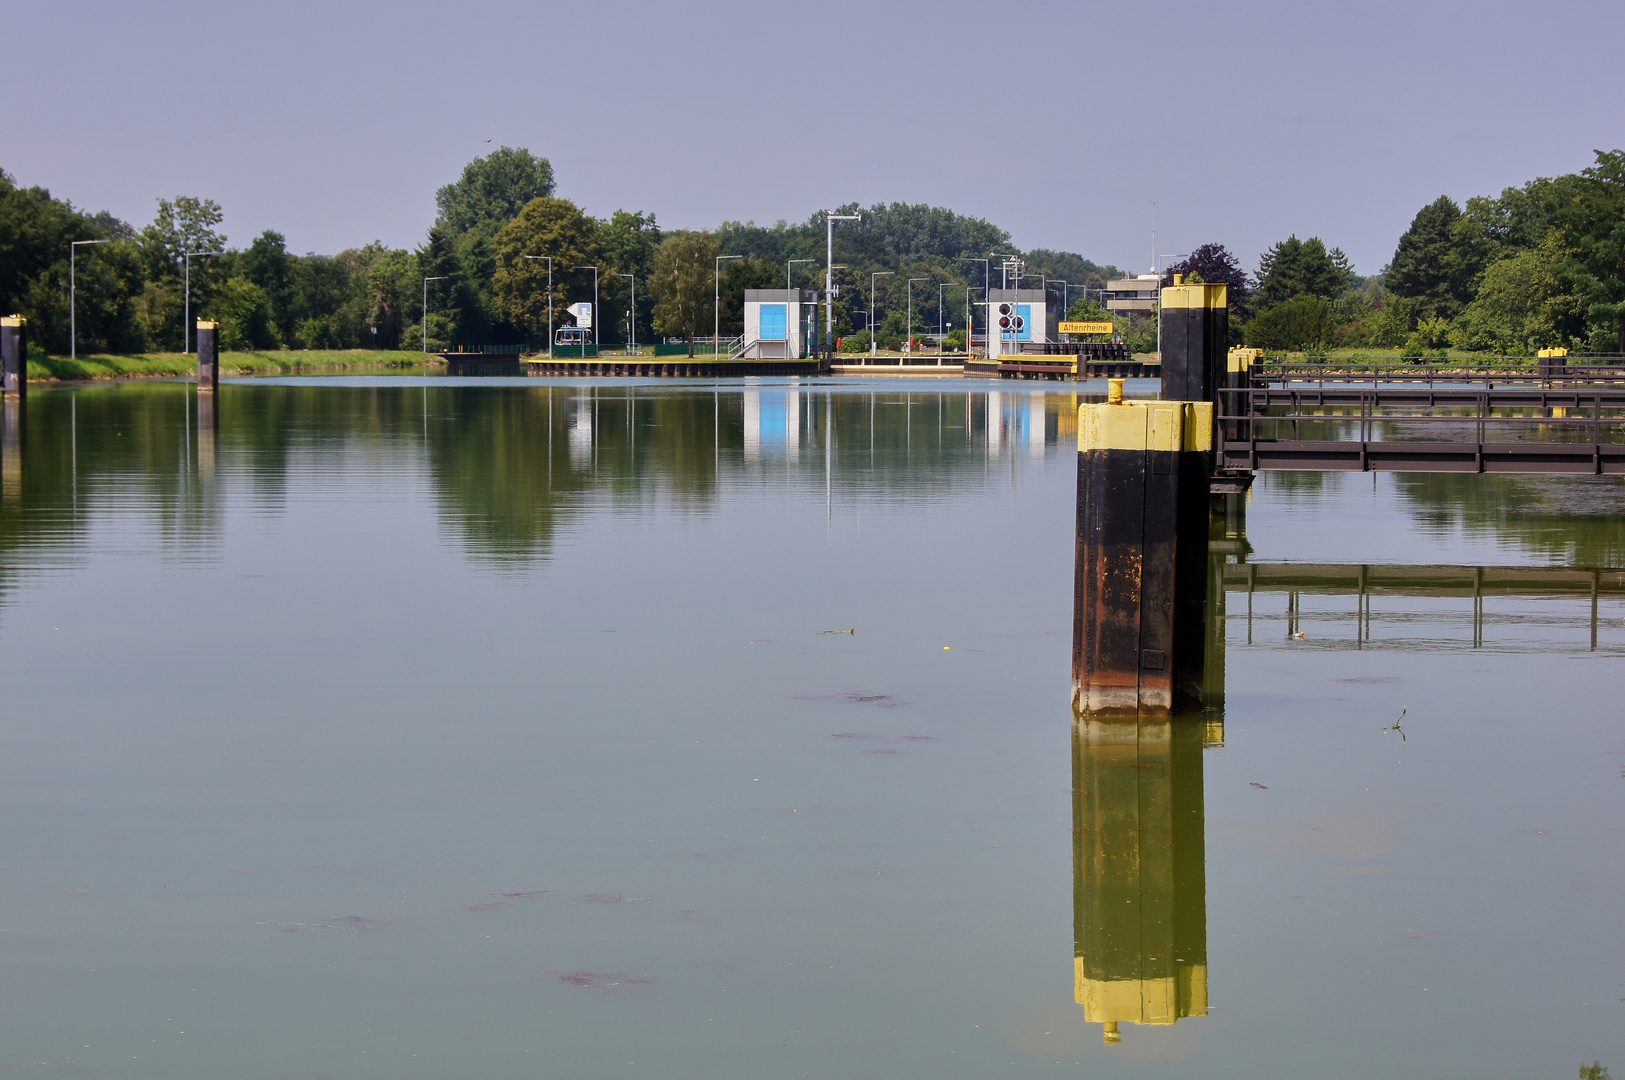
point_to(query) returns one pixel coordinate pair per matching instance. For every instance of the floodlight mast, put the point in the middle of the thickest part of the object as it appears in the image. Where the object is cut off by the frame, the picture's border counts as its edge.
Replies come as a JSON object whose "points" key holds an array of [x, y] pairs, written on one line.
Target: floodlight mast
{"points": [[631, 315], [595, 319], [716, 308], [829, 272], [874, 332]]}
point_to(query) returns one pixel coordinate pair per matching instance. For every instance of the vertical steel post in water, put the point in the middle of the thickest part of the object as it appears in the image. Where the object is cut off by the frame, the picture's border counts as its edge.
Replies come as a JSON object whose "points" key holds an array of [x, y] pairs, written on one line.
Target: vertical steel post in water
{"points": [[14, 355], [208, 357], [1140, 588], [14, 365]]}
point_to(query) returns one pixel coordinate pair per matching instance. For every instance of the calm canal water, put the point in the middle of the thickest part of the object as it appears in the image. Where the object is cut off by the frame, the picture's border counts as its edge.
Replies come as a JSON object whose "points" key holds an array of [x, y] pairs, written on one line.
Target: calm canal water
{"points": [[408, 728]]}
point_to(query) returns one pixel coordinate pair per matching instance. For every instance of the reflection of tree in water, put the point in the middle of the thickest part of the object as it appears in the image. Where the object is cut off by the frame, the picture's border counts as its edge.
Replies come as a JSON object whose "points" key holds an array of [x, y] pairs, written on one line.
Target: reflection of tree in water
{"points": [[510, 465], [513, 464], [86, 452], [1570, 520]]}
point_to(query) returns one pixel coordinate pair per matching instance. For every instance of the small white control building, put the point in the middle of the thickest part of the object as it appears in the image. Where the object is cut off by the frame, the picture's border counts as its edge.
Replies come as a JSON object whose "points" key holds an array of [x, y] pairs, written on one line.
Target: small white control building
{"points": [[777, 325], [1028, 316]]}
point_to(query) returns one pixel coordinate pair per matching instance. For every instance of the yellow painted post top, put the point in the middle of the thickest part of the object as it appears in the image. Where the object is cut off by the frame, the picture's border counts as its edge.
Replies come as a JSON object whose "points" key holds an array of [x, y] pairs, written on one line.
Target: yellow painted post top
{"points": [[1552, 352], [1146, 425], [207, 324], [13, 320], [1241, 359], [1195, 296]]}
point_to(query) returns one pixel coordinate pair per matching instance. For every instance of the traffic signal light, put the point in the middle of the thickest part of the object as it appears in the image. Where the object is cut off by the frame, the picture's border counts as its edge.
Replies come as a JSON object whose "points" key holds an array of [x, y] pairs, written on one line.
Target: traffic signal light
{"points": [[1008, 319]]}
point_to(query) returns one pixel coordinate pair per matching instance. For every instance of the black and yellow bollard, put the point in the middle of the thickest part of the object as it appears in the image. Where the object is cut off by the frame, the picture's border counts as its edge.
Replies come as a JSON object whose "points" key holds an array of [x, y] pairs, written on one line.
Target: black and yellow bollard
{"points": [[1139, 876], [14, 355], [208, 356], [1140, 596], [1194, 339]]}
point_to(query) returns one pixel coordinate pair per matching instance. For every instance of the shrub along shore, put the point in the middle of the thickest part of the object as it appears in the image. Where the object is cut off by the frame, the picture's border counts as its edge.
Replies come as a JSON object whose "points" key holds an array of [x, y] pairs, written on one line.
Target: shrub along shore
{"points": [[276, 362]]}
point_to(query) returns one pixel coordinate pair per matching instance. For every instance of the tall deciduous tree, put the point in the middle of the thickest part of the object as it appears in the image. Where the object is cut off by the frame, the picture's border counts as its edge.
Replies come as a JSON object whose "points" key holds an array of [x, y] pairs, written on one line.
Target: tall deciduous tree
{"points": [[682, 285], [493, 190], [1214, 264], [547, 227], [268, 265], [1305, 322], [187, 224], [1526, 301], [1594, 222]]}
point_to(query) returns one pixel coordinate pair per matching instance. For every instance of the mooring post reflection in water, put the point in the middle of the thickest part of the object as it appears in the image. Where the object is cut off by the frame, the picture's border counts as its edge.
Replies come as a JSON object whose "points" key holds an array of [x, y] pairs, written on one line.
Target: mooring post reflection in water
{"points": [[208, 425], [1139, 870], [11, 450]]}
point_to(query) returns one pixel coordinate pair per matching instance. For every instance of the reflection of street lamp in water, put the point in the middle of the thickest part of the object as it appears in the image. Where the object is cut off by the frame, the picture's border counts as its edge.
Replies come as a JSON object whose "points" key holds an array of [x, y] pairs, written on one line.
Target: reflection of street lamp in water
{"points": [[1139, 875]]}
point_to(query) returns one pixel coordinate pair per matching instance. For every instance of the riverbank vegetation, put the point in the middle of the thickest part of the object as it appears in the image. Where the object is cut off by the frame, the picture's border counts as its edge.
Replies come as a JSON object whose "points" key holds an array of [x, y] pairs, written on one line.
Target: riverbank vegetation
{"points": [[279, 362], [1542, 265]]}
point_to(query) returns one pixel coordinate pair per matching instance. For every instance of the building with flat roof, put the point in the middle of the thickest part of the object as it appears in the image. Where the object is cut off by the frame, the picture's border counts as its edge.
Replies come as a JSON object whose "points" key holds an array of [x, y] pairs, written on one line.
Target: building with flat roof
{"points": [[1029, 306], [1134, 294], [780, 324]]}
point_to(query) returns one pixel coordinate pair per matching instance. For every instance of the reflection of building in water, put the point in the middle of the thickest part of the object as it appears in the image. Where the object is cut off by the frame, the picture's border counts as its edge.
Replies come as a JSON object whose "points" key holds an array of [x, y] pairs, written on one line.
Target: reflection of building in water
{"points": [[772, 422], [1139, 877], [581, 432], [1035, 423]]}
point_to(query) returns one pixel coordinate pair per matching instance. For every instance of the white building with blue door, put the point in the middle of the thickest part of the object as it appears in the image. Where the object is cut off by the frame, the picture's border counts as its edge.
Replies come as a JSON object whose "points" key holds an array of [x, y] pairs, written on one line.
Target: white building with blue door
{"points": [[1029, 319], [780, 324]]}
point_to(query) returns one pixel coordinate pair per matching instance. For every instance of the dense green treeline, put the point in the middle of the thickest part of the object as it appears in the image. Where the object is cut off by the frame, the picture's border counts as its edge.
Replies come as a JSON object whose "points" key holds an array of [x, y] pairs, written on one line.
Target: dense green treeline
{"points": [[500, 236], [1540, 265]]}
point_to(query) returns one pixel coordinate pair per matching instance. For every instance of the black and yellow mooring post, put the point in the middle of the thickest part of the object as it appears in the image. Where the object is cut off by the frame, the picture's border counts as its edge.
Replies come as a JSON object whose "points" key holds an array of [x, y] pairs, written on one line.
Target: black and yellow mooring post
{"points": [[1140, 585], [14, 355], [208, 355], [1139, 876], [1194, 338]]}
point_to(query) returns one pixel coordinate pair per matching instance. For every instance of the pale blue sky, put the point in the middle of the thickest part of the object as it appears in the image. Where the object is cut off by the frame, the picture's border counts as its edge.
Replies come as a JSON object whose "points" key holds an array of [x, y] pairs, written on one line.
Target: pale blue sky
{"points": [[335, 122]]}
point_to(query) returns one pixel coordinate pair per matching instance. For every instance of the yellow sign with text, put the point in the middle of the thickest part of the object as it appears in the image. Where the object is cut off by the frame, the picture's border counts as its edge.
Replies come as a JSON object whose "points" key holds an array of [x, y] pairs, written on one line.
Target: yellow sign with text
{"points": [[1086, 328]]}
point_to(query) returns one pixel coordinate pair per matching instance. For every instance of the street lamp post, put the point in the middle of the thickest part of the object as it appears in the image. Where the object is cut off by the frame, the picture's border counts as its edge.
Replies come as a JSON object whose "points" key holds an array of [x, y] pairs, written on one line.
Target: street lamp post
{"points": [[970, 322], [631, 315], [787, 263], [186, 297], [595, 319], [442, 277], [958, 285], [874, 332], [549, 259], [1012, 261], [829, 274], [716, 307], [73, 305], [910, 328]]}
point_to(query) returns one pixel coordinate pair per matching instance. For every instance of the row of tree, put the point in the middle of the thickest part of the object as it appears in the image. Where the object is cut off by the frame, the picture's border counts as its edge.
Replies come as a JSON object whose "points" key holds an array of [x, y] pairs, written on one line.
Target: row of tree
{"points": [[1539, 266], [482, 274]]}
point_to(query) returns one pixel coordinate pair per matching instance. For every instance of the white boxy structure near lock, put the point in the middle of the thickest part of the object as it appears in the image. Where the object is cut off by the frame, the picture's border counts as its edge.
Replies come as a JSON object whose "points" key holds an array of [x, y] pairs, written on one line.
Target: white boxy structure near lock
{"points": [[776, 323], [1028, 319]]}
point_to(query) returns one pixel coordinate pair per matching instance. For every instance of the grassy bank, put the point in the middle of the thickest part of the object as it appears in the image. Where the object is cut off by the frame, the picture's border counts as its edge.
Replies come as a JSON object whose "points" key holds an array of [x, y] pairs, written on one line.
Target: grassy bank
{"points": [[281, 362]]}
